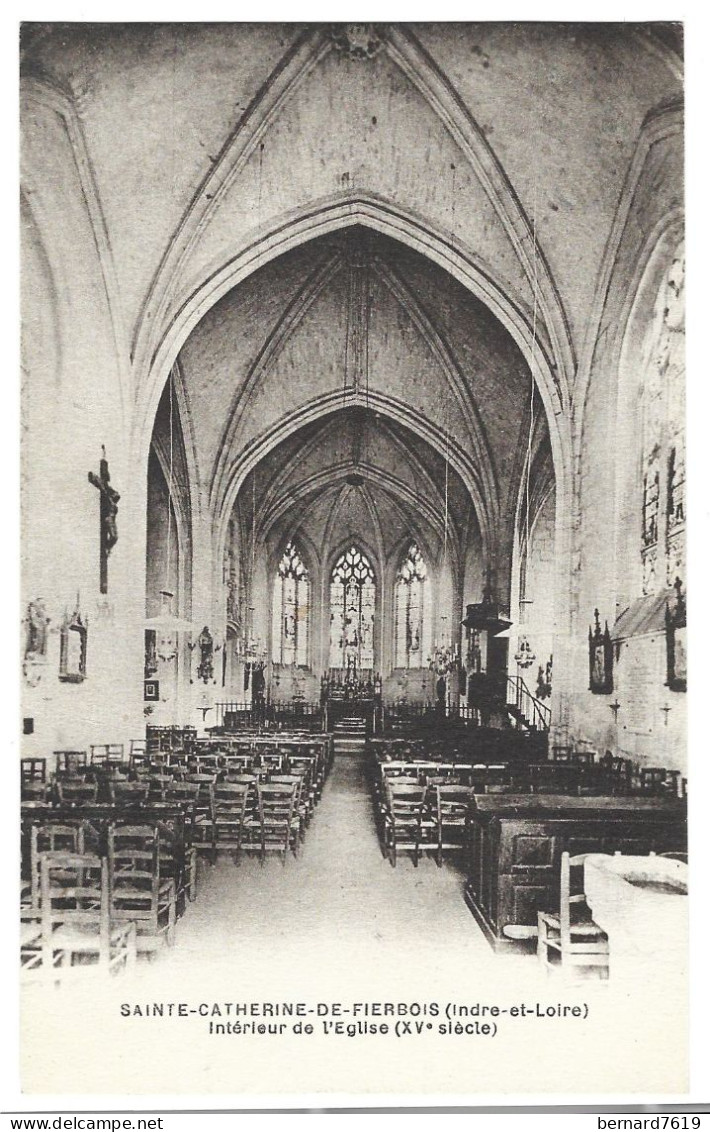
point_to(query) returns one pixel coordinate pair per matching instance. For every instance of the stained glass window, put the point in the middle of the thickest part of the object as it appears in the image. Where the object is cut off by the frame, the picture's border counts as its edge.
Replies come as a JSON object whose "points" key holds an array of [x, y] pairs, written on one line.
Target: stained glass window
{"points": [[663, 436], [352, 612], [412, 612], [290, 610]]}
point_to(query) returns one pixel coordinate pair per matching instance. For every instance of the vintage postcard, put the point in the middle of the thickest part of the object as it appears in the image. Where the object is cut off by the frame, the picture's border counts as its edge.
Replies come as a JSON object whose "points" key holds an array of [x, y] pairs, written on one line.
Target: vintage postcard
{"points": [[354, 577]]}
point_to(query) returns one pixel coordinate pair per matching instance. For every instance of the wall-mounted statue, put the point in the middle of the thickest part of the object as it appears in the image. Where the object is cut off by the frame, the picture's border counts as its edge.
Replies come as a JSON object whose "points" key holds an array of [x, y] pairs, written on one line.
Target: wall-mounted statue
{"points": [[205, 643], [35, 650]]}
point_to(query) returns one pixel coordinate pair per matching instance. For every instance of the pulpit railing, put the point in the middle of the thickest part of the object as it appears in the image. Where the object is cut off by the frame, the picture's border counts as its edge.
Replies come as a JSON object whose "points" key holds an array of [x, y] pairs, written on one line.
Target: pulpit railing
{"points": [[528, 710]]}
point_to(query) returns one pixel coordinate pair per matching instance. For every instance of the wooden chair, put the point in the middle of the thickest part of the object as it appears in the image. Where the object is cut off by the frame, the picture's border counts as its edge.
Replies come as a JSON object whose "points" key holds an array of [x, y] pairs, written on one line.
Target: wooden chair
{"points": [[76, 792], [51, 837], [303, 804], [75, 918], [404, 818], [453, 805], [561, 753], [124, 793], [33, 770], [237, 764], [136, 749], [34, 791], [177, 860], [568, 940], [69, 762], [278, 825], [185, 796], [139, 894], [159, 785], [229, 815], [658, 780], [615, 773], [303, 766], [106, 754], [583, 758], [204, 811]]}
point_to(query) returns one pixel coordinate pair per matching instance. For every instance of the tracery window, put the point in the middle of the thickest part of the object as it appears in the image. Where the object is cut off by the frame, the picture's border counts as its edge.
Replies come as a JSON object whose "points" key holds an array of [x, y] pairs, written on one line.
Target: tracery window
{"points": [[412, 612], [291, 610], [352, 612], [663, 436]]}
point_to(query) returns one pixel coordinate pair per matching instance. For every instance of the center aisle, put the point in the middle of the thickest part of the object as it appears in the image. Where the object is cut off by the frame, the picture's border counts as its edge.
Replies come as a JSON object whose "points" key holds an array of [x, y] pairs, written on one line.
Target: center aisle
{"points": [[339, 888]]}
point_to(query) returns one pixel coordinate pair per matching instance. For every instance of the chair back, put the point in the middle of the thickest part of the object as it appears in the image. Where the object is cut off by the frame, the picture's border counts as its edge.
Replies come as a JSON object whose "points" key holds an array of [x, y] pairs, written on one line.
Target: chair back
{"points": [[32, 790], [573, 904], [33, 770], [70, 761], [73, 792], [51, 837], [106, 754], [230, 800], [405, 799], [453, 804], [128, 793], [277, 801], [74, 898], [133, 857]]}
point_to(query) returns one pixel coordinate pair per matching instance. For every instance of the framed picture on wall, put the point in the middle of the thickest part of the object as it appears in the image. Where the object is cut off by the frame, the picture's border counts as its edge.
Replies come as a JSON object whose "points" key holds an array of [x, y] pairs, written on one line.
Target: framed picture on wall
{"points": [[151, 690], [676, 628], [601, 659]]}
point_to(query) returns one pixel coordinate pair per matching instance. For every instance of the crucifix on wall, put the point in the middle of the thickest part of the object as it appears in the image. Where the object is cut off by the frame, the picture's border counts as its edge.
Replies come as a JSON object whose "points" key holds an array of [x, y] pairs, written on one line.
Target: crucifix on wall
{"points": [[109, 498]]}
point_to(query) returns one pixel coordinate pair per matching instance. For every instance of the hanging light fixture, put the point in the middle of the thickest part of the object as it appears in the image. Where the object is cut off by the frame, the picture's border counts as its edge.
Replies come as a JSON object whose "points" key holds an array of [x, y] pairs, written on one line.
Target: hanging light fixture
{"points": [[166, 624]]}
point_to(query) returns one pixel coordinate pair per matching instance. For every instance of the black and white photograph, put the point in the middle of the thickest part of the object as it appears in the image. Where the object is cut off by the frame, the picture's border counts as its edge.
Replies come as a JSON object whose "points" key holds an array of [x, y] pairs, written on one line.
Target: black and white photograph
{"points": [[354, 586]]}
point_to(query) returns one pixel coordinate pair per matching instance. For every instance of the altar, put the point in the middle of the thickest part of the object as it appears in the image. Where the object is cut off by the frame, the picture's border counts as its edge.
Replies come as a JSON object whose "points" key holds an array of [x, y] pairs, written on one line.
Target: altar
{"points": [[354, 694]]}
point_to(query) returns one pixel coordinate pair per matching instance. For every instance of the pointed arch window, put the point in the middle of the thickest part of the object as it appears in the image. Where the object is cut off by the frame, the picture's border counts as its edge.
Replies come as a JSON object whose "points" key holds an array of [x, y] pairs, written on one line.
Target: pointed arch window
{"points": [[352, 611], [663, 436], [291, 607], [412, 611]]}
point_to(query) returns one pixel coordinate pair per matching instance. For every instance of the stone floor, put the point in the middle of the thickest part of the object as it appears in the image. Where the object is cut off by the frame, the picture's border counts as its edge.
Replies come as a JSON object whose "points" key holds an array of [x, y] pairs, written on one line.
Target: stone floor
{"points": [[339, 889]]}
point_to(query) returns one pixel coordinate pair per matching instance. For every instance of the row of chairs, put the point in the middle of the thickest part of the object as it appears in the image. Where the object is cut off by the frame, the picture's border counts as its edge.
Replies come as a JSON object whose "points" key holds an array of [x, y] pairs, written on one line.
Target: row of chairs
{"points": [[87, 896], [577, 775], [244, 752], [263, 809], [419, 819]]}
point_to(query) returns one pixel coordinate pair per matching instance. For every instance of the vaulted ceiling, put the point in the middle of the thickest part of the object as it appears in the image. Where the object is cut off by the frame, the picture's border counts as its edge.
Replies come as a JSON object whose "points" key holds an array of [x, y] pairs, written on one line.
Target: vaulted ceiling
{"points": [[355, 475], [390, 347], [467, 125]]}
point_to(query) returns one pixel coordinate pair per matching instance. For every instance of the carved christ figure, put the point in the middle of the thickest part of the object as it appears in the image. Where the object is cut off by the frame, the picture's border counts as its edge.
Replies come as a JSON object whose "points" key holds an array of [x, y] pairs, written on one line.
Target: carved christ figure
{"points": [[108, 513]]}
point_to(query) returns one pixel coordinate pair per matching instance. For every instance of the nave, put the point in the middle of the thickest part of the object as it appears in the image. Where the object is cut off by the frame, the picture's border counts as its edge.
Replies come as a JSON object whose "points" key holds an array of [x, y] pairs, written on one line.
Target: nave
{"points": [[382, 329], [340, 887]]}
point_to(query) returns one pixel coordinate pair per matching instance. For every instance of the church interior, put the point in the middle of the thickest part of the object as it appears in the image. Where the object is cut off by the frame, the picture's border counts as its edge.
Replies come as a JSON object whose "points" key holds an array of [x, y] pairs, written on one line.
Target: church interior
{"points": [[353, 489]]}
